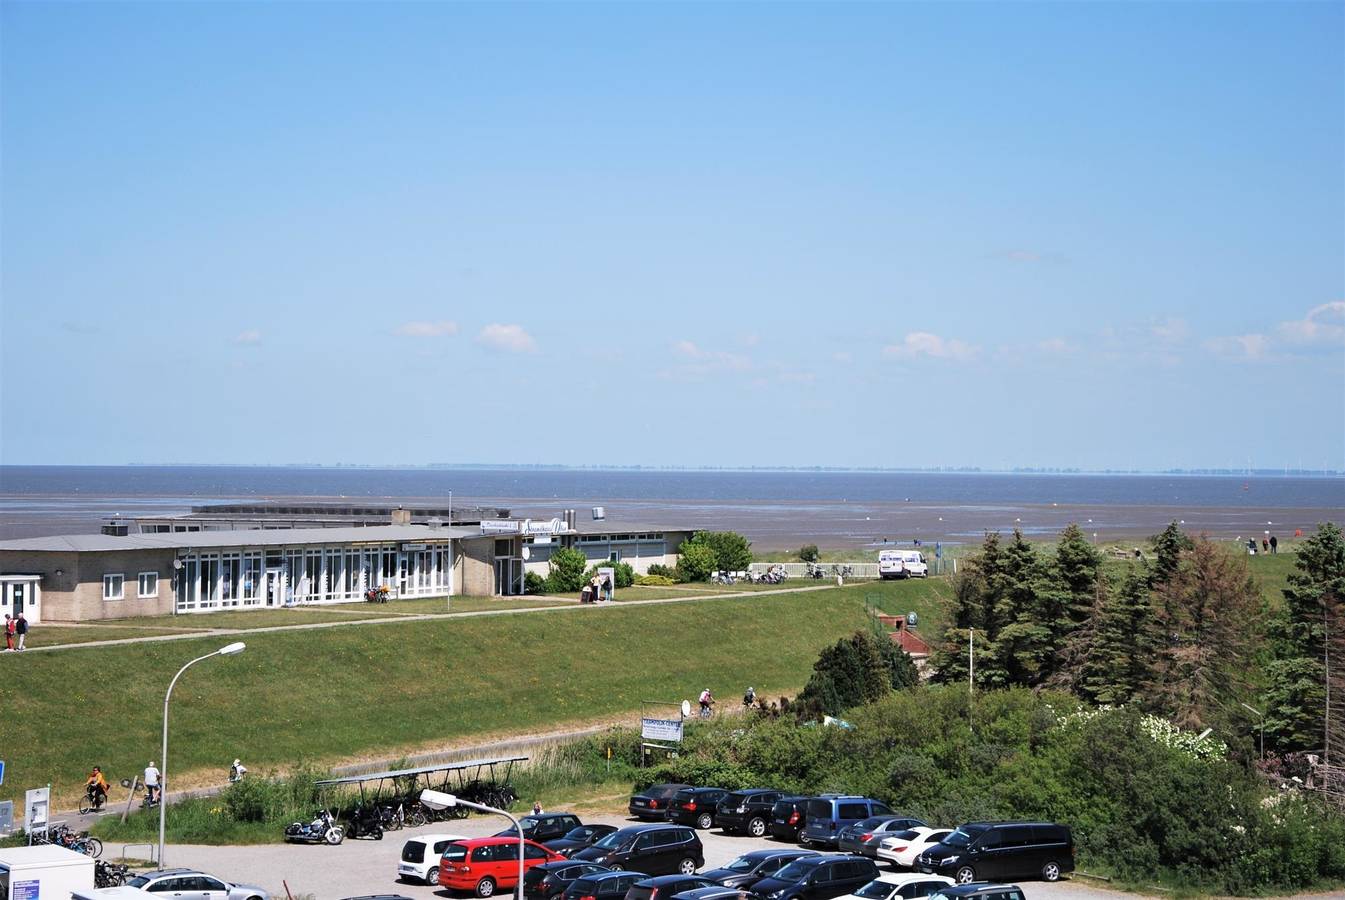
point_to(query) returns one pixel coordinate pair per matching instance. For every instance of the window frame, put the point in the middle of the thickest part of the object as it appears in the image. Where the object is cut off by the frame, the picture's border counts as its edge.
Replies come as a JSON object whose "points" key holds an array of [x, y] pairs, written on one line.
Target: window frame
{"points": [[121, 586], [140, 592]]}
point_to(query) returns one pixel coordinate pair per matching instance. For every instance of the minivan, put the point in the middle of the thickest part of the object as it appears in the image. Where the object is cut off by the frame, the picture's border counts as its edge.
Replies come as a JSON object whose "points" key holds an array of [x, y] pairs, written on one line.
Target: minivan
{"points": [[829, 813], [655, 849], [818, 877], [984, 851], [902, 564], [483, 864]]}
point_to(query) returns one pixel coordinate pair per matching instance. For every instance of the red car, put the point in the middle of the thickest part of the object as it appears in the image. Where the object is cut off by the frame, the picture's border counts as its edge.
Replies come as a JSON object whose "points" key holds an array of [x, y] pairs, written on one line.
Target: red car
{"points": [[484, 865]]}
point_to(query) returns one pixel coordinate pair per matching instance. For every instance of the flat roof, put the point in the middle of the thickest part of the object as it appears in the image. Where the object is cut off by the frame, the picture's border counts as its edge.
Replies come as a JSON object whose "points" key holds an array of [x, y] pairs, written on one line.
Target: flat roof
{"points": [[422, 770], [253, 537]]}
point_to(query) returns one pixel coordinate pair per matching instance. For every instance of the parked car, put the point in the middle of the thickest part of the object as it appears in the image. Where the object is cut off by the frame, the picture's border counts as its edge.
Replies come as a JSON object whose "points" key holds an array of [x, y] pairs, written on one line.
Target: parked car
{"points": [[663, 886], [750, 868], [695, 806], [578, 838], [602, 886], [818, 877], [864, 836], [829, 813], [788, 817], [652, 802], [552, 878], [902, 848], [483, 865], [656, 849], [901, 887], [543, 827], [420, 856], [980, 892], [714, 892], [983, 851], [747, 812], [191, 884]]}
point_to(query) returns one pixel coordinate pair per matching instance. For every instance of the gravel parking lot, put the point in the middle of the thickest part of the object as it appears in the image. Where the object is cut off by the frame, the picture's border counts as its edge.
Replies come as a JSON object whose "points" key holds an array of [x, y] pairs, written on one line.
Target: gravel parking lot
{"points": [[369, 867]]}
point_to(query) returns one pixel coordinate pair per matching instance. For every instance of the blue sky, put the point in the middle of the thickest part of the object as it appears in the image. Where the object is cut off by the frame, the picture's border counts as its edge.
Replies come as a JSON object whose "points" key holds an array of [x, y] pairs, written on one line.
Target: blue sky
{"points": [[1076, 234]]}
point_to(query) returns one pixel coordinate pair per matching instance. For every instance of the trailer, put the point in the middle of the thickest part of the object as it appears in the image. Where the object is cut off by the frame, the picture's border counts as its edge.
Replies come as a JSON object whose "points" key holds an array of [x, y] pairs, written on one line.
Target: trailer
{"points": [[43, 872]]}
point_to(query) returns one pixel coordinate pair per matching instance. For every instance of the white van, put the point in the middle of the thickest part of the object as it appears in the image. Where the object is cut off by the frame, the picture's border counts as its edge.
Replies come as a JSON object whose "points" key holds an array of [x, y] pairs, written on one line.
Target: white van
{"points": [[902, 564]]}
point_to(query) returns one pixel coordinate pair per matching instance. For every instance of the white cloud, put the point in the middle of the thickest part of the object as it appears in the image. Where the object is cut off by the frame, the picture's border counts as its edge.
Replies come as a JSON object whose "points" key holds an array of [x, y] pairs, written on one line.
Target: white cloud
{"points": [[251, 336], [698, 362], [1240, 347], [511, 338], [921, 343], [1169, 330], [687, 348], [442, 328], [1055, 345], [1322, 328], [1323, 324], [842, 356]]}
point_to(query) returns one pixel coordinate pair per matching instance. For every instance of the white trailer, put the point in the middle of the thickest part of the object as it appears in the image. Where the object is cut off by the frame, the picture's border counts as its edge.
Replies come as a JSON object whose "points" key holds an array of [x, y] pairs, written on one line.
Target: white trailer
{"points": [[44, 872]]}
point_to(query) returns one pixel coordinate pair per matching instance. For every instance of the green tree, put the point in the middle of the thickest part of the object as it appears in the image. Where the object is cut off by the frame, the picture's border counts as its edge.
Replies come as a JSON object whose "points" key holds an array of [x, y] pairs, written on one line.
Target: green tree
{"points": [[733, 552], [1026, 649], [1120, 658], [623, 576], [809, 553], [695, 561], [1311, 618], [566, 573], [852, 672], [978, 603], [1072, 605], [1168, 549]]}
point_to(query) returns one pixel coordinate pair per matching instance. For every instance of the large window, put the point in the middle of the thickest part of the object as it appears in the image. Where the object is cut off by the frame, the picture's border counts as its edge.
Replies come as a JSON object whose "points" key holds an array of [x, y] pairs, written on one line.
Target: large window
{"points": [[149, 585], [230, 579], [114, 587], [252, 578]]}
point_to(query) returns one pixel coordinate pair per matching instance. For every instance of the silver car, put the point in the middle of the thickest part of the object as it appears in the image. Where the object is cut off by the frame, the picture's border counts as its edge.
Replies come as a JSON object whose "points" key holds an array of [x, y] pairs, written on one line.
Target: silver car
{"points": [[189, 884]]}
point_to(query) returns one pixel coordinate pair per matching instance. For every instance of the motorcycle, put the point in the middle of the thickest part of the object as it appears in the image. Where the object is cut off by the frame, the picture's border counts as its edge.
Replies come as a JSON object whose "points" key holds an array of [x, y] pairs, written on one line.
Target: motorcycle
{"points": [[323, 829], [365, 823]]}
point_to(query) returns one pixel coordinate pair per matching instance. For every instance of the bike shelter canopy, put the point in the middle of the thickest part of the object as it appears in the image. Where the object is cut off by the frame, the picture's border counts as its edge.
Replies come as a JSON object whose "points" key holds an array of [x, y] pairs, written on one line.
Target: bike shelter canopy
{"points": [[450, 778]]}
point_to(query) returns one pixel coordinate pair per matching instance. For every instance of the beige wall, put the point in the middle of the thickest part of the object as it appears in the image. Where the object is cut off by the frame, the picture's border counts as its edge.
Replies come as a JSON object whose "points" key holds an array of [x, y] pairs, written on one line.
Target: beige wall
{"points": [[478, 567], [77, 593]]}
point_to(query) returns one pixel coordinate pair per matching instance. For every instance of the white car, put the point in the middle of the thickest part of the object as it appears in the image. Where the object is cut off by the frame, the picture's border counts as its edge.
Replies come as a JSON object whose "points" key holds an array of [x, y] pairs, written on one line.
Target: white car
{"points": [[900, 887], [902, 848], [421, 855]]}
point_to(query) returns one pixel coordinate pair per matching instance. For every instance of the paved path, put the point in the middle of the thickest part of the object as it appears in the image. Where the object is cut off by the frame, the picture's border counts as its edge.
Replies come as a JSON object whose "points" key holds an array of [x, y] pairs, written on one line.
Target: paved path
{"points": [[414, 617]]}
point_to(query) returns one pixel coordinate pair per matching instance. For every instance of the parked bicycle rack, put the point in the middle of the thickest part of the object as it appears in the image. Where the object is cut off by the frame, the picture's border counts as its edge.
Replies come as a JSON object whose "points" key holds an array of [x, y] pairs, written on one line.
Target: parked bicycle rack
{"points": [[153, 852]]}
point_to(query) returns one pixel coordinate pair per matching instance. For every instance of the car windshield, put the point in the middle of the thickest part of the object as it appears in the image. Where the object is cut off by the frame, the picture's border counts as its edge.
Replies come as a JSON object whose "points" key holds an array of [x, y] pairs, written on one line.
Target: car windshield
{"points": [[614, 841], [582, 833], [742, 864], [869, 824], [138, 881], [455, 852], [962, 837], [795, 870], [876, 890], [939, 896], [907, 835]]}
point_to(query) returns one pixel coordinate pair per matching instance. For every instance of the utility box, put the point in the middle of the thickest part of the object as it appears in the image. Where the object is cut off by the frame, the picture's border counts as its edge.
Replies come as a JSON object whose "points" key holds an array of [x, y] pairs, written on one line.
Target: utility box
{"points": [[44, 872]]}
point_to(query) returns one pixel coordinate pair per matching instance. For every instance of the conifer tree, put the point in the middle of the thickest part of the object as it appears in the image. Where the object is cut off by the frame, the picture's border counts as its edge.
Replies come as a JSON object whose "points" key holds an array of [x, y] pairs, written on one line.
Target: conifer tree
{"points": [[1120, 658], [1024, 649], [977, 595], [1168, 549]]}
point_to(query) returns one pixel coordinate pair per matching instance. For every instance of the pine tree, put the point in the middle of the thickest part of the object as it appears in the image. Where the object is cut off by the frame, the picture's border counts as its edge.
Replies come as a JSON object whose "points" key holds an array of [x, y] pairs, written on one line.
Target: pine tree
{"points": [[1168, 549], [1207, 615], [1024, 648], [1077, 567], [977, 601], [1071, 606], [1120, 659]]}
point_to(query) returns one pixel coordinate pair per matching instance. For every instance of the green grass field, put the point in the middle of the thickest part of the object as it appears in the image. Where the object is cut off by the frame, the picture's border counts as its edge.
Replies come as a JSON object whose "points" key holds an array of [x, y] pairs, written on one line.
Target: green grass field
{"points": [[338, 693]]}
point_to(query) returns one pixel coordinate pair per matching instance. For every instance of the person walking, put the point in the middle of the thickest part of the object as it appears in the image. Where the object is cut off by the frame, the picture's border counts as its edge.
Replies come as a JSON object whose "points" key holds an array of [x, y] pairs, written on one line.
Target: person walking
{"points": [[537, 807], [1265, 545], [9, 632], [607, 588], [1274, 548], [21, 628]]}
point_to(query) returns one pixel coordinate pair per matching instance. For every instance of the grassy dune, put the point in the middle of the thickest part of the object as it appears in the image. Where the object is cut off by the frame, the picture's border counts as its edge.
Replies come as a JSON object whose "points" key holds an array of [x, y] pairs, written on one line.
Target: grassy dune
{"points": [[336, 693]]}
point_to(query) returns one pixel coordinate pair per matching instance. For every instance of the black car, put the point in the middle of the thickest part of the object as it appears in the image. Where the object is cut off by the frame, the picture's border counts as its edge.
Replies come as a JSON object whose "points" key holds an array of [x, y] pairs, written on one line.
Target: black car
{"points": [[716, 892], [789, 815], [652, 802], [979, 892], [864, 836], [750, 868], [656, 849], [578, 838], [982, 851], [602, 886], [665, 886], [695, 806], [543, 827], [550, 879], [747, 812], [818, 877]]}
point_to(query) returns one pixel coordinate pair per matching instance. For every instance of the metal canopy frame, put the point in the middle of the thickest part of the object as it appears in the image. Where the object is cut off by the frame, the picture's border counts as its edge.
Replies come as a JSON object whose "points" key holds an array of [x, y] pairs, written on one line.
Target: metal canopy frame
{"points": [[450, 778]]}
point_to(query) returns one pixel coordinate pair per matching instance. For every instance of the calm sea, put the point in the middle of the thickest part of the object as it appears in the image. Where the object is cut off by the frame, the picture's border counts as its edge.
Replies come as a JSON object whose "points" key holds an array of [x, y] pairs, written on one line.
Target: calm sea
{"points": [[775, 508]]}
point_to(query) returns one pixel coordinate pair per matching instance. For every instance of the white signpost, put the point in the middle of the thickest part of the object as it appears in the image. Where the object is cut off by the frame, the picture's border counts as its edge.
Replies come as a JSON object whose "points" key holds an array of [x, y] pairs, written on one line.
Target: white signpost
{"points": [[36, 809]]}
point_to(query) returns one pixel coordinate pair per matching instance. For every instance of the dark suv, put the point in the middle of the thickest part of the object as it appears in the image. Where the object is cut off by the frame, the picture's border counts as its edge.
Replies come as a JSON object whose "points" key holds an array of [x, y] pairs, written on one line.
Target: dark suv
{"points": [[788, 816], [818, 877], [543, 827], [652, 802], [747, 812], [664, 886], [551, 879], [602, 885], [829, 813], [655, 849], [695, 806], [981, 851], [578, 838], [750, 868]]}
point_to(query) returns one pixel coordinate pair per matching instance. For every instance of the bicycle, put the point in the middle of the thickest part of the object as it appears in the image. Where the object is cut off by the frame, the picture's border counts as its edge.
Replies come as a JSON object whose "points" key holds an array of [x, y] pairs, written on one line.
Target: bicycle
{"points": [[92, 802]]}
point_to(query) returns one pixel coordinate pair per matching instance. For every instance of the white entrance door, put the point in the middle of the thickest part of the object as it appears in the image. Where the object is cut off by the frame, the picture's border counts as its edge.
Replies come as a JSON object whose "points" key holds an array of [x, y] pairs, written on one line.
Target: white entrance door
{"points": [[275, 587]]}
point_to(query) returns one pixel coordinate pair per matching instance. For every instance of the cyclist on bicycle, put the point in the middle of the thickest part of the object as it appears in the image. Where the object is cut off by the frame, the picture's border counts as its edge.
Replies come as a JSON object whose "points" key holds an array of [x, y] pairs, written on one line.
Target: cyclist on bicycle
{"points": [[707, 703], [750, 698], [96, 787]]}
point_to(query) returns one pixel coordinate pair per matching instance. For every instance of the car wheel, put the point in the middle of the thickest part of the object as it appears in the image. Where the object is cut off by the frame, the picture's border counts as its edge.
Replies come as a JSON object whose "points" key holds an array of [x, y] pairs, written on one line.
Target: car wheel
{"points": [[1051, 871], [802, 840], [756, 827], [687, 866], [965, 875], [617, 867], [432, 876], [704, 821], [485, 887]]}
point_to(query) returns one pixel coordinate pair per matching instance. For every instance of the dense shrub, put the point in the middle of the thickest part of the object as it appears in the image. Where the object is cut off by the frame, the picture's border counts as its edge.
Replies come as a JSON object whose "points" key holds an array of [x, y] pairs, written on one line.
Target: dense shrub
{"points": [[567, 571], [732, 552], [623, 575], [655, 580], [533, 583], [809, 553], [659, 569], [695, 562]]}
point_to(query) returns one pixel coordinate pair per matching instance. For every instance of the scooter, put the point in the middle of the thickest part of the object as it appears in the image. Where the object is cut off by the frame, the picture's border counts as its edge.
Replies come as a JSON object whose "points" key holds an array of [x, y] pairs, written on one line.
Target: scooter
{"points": [[364, 823], [323, 829]]}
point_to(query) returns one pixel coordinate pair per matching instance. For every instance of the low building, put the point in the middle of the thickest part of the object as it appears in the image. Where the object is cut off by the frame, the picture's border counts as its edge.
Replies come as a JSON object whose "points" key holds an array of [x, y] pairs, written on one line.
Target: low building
{"points": [[119, 574]]}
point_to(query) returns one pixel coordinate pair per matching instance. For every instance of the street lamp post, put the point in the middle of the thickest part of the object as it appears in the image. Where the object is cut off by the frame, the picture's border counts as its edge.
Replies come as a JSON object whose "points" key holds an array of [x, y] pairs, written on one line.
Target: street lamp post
{"points": [[1262, 718], [441, 800], [230, 650]]}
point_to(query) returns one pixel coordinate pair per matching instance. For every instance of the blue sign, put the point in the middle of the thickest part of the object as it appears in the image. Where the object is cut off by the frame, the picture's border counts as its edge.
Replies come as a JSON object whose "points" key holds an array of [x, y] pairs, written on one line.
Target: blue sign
{"points": [[25, 890], [938, 550], [2, 771]]}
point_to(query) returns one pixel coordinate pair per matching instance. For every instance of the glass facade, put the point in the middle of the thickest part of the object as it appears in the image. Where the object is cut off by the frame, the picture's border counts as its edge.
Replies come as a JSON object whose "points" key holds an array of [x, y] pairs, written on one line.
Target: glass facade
{"points": [[208, 580]]}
